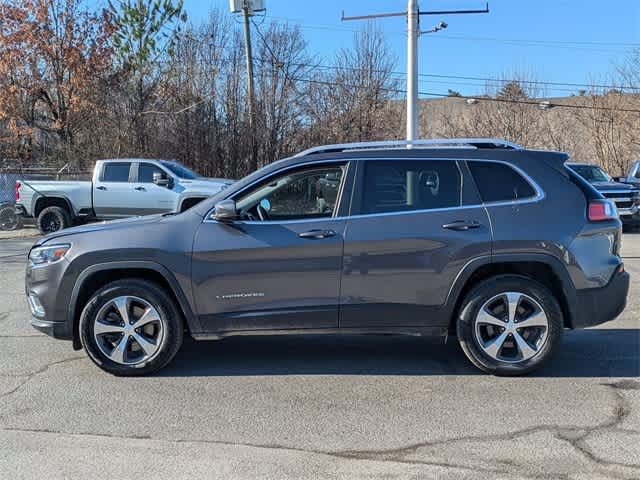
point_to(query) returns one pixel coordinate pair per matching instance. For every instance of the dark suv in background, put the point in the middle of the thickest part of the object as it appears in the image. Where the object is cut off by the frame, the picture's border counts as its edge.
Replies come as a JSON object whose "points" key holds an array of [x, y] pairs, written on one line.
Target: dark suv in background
{"points": [[625, 196], [501, 246]]}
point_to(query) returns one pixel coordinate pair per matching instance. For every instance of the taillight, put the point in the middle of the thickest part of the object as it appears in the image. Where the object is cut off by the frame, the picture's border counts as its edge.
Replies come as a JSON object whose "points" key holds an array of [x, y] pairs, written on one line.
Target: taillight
{"points": [[600, 210], [18, 185]]}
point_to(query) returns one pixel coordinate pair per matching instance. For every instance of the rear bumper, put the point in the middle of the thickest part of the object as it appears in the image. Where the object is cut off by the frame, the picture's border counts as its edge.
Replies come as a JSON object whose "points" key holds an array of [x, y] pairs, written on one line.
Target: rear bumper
{"points": [[598, 305], [21, 211]]}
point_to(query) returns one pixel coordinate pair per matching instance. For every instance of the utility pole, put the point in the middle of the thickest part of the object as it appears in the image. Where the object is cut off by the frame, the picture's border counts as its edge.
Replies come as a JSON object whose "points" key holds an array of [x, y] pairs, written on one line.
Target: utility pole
{"points": [[247, 48], [413, 29], [413, 14], [253, 159]]}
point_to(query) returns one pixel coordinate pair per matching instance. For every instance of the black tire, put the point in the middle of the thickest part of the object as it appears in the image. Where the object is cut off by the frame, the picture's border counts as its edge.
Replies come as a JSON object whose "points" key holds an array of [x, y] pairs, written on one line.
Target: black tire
{"points": [[491, 288], [156, 296], [53, 219], [9, 221]]}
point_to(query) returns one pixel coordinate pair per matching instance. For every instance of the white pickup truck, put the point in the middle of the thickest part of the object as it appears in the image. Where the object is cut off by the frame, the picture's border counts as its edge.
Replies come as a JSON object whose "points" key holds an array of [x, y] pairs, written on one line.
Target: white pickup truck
{"points": [[119, 188], [633, 175]]}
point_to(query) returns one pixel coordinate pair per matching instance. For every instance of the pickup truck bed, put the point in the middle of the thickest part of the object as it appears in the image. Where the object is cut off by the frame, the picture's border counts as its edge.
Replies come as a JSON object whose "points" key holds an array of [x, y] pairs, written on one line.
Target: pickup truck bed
{"points": [[120, 188]]}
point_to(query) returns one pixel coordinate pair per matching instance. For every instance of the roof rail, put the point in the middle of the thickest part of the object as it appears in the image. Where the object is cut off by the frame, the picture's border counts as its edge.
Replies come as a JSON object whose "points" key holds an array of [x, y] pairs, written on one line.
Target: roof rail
{"points": [[432, 142]]}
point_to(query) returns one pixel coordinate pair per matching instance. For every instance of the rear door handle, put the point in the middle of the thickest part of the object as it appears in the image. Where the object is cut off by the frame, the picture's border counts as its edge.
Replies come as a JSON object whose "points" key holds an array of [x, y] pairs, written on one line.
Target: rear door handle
{"points": [[140, 189], [101, 188], [461, 225], [317, 234]]}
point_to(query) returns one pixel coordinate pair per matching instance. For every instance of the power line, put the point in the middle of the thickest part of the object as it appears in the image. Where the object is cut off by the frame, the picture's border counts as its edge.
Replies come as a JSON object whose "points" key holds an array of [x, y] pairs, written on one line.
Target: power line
{"points": [[465, 97], [403, 91], [499, 81], [490, 99], [603, 47], [534, 82], [460, 77]]}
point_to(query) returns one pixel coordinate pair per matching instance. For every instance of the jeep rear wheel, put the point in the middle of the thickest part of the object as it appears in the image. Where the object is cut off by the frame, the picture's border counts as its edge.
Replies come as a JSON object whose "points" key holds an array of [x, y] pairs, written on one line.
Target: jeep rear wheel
{"points": [[131, 327], [509, 325]]}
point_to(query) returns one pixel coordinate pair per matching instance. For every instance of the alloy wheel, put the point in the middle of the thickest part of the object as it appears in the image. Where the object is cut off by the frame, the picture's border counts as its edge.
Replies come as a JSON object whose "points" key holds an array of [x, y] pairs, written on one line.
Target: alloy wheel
{"points": [[128, 330], [511, 327], [51, 223]]}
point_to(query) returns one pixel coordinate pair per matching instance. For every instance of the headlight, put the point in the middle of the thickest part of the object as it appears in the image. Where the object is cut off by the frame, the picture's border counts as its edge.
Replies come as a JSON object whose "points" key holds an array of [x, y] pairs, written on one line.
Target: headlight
{"points": [[48, 254]]}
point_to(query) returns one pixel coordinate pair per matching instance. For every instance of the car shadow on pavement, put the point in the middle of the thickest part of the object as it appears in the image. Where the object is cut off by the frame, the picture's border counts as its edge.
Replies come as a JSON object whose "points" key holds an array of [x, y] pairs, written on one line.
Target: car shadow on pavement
{"points": [[583, 353]]}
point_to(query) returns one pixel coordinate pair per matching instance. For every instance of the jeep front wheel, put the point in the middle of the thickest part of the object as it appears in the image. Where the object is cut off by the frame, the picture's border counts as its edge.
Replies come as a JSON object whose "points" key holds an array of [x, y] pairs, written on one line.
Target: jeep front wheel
{"points": [[131, 327]]}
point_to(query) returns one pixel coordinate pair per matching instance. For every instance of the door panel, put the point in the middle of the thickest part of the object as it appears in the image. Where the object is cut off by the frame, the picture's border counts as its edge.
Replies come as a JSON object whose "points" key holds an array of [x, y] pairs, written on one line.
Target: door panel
{"points": [[265, 275], [407, 242], [149, 197], [112, 193], [399, 268]]}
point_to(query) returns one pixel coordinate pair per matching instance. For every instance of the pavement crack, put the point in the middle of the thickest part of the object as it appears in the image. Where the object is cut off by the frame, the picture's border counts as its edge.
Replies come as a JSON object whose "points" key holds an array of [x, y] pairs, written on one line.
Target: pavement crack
{"points": [[29, 376], [624, 385], [575, 436], [21, 336], [621, 410], [266, 446]]}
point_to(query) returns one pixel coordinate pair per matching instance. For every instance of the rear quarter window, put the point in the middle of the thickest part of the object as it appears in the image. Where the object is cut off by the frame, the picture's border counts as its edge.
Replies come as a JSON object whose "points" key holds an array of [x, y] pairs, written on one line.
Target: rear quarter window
{"points": [[498, 182]]}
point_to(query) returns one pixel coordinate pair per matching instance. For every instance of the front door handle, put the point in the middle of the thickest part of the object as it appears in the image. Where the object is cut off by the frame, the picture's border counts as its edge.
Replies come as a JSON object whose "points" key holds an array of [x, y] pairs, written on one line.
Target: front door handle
{"points": [[462, 225], [101, 188], [317, 234], [140, 189]]}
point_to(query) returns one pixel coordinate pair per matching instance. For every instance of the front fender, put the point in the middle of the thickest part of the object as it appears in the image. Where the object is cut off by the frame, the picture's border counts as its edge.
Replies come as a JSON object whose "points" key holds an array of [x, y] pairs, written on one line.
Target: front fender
{"points": [[73, 316]]}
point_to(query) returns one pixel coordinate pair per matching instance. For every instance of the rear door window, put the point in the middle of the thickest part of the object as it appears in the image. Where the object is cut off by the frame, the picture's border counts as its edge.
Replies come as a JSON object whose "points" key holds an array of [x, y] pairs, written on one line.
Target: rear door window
{"points": [[116, 172], [498, 182], [406, 185]]}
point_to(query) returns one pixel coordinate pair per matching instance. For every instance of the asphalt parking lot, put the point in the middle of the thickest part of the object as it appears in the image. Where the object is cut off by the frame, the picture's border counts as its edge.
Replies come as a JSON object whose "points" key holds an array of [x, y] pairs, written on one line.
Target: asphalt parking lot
{"points": [[318, 407]]}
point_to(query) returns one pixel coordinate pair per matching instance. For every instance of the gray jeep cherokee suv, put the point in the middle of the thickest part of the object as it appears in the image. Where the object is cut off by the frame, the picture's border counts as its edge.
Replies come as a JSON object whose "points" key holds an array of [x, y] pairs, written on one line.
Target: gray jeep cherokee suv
{"points": [[501, 246]]}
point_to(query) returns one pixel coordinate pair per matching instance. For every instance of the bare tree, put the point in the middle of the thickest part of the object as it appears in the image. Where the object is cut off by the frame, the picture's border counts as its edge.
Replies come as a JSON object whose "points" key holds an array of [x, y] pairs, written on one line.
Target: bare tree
{"points": [[351, 101], [606, 124], [284, 66]]}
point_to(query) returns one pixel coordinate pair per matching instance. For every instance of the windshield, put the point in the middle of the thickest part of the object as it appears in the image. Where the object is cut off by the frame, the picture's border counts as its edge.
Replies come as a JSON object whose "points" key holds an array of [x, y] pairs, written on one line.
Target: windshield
{"points": [[591, 173], [180, 170]]}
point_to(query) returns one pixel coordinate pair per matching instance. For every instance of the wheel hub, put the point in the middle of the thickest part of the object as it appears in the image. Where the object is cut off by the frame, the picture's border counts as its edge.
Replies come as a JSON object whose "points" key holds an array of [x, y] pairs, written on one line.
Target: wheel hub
{"points": [[128, 330], [511, 327]]}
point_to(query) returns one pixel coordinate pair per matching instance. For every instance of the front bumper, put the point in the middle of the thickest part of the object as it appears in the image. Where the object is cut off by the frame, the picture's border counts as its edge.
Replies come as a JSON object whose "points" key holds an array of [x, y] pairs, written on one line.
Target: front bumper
{"points": [[629, 216], [598, 305], [45, 287], [58, 330]]}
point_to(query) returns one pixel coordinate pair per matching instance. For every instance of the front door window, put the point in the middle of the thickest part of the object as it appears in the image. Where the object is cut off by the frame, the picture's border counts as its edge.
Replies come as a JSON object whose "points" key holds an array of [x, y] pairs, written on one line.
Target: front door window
{"points": [[296, 195]]}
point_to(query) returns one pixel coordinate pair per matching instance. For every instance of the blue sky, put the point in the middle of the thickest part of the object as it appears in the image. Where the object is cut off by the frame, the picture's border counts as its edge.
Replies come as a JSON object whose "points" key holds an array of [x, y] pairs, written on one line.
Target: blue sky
{"points": [[565, 41]]}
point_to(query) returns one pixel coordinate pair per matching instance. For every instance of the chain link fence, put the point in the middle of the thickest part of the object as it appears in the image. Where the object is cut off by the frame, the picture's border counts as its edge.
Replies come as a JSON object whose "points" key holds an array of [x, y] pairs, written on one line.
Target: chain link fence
{"points": [[9, 175]]}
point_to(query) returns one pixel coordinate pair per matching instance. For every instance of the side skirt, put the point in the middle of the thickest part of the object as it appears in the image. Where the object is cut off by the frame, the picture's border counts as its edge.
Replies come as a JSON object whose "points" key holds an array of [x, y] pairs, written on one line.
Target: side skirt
{"points": [[439, 332]]}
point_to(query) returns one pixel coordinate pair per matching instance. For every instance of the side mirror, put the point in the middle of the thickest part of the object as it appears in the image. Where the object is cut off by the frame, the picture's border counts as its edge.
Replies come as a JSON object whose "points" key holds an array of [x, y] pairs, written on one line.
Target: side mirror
{"points": [[225, 211], [161, 179]]}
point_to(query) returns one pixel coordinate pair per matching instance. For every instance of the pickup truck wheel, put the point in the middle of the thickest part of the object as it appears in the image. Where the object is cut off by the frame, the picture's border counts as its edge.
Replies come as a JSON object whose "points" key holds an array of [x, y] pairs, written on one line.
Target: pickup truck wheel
{"points": [[8, 219], [509, 325], [52, 219], [131, 328]]}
